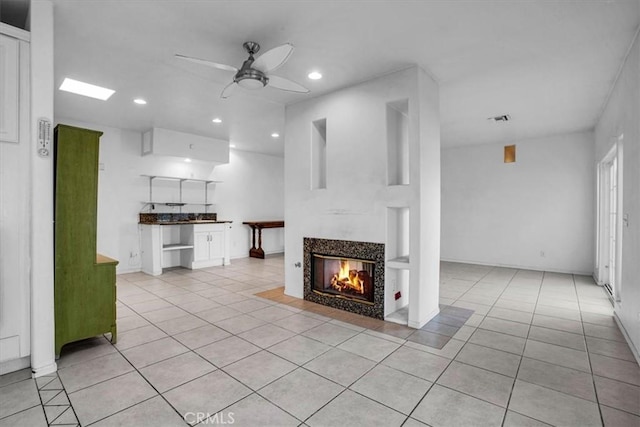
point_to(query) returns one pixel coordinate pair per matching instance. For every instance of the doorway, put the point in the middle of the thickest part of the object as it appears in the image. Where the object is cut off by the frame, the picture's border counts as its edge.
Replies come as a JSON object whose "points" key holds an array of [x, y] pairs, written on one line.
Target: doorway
{"points": [[609, 221]]}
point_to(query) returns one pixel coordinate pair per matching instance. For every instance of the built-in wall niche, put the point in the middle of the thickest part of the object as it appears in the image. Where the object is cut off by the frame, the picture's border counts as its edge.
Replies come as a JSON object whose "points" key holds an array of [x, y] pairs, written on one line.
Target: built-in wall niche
{"points": [[398, 142], [319, 154], [397, 265], [398, 237], [396, 305]]}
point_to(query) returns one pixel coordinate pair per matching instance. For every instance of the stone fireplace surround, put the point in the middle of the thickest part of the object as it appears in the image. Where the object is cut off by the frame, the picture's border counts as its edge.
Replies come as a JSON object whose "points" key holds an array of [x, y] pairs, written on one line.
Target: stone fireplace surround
{"points": [[348, 249]]}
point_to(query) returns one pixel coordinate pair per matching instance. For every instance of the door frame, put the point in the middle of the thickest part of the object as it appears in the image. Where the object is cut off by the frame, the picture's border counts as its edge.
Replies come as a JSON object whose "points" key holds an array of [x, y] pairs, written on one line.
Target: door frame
{"points": [[603, 200]]}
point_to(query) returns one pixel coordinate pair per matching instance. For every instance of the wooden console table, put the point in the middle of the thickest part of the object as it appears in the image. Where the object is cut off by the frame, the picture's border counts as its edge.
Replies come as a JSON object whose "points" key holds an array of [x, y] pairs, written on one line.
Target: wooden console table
{"points": [[257, 252]]}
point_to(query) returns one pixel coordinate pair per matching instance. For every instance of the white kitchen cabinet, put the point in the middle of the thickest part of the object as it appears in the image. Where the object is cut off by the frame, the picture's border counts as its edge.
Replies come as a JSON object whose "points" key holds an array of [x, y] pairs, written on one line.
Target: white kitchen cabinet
{"points": [[210, 245], [188, 245]]}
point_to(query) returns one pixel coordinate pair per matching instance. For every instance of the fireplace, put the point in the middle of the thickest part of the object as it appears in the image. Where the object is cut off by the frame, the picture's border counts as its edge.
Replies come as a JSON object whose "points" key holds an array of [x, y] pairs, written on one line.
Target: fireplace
{"points": [[343, 277], [344, 274]]}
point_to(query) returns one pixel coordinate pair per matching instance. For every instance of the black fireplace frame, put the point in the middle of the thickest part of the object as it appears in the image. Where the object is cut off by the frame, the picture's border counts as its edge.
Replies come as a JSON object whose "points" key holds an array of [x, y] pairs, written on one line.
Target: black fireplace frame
{"points": [[347, 249]]}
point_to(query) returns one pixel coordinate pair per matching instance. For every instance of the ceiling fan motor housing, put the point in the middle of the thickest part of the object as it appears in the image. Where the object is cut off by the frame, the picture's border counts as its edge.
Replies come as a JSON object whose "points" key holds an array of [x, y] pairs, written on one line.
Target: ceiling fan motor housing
{"points": [[248, 77]]}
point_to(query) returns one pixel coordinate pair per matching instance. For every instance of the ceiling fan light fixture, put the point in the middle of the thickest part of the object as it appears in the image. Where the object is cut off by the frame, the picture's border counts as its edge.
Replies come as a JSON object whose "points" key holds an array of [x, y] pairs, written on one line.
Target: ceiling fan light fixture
{"points": [[251, 83], [250, 78]]}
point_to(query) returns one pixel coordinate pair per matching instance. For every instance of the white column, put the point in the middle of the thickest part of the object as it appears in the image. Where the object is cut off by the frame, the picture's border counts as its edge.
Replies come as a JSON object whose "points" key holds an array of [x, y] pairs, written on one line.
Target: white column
{"points": [[42, 87], [425, 291]]}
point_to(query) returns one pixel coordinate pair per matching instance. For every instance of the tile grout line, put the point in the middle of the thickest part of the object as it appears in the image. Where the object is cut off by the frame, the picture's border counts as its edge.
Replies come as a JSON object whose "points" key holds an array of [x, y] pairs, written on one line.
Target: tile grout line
{"points": [[63, 390], [593, 379], [523, 351]]}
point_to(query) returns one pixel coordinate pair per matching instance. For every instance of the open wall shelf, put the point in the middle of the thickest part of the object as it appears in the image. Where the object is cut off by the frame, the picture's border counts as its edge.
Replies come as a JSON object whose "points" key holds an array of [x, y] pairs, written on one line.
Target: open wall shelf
{"points": [[180, 203]]}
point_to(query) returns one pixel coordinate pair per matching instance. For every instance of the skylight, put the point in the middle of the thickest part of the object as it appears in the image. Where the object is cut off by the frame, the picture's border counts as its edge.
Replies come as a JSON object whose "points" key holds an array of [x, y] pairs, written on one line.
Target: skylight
{"points": [[86, 89]]}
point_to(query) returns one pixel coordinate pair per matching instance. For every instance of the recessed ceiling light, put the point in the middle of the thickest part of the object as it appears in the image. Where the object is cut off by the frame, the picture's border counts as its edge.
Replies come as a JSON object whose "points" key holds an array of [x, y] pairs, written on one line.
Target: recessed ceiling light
{"points": [[187, 160], [314, 75], [140, 101], [232, 145], [217, 120], [275, 135], [86, 89]]}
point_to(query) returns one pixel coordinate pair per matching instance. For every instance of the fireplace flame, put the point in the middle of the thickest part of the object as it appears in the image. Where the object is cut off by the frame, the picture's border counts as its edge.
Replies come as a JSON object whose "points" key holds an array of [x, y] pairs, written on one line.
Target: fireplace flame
{"points": [[347, 278]]}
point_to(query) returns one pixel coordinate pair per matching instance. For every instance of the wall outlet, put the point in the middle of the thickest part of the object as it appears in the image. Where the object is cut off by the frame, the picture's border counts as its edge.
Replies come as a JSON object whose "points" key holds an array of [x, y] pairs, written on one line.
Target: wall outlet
{"points": [[542, 254]]}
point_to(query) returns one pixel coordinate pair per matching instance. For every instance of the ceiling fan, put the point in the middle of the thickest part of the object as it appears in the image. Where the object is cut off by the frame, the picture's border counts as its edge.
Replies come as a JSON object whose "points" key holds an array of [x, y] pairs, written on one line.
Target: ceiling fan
{"points": [[255, 73]]}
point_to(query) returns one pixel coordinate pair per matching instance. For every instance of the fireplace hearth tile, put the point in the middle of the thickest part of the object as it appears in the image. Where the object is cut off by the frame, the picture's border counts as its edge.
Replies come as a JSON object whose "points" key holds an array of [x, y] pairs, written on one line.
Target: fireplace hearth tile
{"points": [[450, 320], [396, 330], [440, 328]]}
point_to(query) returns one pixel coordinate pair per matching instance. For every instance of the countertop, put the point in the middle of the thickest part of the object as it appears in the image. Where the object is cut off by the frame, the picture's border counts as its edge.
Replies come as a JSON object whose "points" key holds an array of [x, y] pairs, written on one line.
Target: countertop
{"points": [[190, 222]]}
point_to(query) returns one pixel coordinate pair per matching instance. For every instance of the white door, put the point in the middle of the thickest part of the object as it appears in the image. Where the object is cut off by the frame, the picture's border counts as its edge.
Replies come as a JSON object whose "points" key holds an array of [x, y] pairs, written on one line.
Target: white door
{"points": [[613, 225], [609, 223]]}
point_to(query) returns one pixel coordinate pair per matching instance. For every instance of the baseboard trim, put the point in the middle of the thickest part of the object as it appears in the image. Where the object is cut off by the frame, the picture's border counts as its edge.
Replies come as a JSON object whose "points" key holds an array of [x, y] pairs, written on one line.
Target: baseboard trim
{"points": [[13, 365], [520, 267], [44, 370], [420, 323], [634, 350]]}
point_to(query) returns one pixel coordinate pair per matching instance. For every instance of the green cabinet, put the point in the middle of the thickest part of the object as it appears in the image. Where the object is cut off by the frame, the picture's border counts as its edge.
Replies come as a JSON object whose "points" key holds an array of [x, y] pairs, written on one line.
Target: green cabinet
{"points": [[85, 292]]}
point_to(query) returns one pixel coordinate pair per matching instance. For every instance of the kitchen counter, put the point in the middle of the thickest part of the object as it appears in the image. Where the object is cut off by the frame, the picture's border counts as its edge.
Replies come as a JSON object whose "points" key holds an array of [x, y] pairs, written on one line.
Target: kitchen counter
{"points": [[191, 241]]}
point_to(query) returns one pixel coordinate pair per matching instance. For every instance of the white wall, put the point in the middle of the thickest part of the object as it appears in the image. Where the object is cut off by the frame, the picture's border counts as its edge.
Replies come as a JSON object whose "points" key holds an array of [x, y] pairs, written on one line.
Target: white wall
{"points": [[536, 213], [42, 267], [252, 190], [621, 117]]}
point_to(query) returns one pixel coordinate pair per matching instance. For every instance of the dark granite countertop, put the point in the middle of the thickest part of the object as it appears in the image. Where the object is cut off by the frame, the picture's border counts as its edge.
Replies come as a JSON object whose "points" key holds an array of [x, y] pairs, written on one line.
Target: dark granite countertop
{"points": [[193, 222], [179, 218]]}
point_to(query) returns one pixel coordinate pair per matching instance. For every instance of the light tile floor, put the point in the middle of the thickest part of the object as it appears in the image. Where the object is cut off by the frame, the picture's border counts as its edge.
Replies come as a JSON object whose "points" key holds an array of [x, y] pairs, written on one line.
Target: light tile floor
{"points": [[539, 349]]}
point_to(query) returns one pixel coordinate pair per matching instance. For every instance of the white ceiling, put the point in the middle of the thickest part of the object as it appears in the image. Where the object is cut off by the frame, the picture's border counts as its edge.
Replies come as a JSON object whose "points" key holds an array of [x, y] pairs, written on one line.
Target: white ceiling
{"points": [[549, 64]]}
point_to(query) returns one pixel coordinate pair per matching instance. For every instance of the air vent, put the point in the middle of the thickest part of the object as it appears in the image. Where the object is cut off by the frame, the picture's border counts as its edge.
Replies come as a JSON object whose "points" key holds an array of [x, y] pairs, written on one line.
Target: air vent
{"points": [[504, 118]]}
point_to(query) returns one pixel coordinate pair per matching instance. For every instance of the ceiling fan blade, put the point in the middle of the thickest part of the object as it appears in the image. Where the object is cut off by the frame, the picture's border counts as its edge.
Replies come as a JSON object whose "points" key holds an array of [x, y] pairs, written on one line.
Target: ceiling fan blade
{"points": [[286, 84], [228, 90], [208, 63], [273, 59]]}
